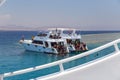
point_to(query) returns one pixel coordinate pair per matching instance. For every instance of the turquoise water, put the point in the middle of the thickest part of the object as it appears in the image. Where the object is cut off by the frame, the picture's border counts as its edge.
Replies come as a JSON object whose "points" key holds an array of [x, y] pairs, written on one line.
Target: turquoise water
{"points": [[13, 56]]}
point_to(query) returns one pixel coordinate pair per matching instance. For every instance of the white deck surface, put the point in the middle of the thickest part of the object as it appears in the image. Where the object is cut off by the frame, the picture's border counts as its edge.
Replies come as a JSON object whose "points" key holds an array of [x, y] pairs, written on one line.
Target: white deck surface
{"points": [[107, 68]]}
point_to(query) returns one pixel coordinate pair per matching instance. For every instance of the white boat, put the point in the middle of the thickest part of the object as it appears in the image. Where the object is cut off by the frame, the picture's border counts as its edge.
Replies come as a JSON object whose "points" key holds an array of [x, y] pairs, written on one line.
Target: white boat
{"points": [[73, 40], [55, 41], [46, 41]]}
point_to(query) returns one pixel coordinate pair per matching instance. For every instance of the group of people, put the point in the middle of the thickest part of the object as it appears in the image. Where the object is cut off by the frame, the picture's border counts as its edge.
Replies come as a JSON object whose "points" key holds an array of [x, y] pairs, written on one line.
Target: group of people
{"points": [[60, 48], [54, 36], [79, 46]]}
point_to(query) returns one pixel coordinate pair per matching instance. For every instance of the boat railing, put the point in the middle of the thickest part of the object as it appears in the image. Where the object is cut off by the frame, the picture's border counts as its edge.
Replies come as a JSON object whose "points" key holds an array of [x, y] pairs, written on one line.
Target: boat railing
{"points": [[61, 62]]}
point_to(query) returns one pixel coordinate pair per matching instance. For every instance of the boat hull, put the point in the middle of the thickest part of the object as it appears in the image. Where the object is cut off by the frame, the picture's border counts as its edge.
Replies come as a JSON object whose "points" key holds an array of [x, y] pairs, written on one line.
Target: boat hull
{"points": [[38, 48]]}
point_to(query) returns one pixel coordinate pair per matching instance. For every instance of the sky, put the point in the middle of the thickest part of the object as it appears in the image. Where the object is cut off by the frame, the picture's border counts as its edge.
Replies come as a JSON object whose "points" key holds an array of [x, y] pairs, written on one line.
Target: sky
{"points": [[81, 14]]}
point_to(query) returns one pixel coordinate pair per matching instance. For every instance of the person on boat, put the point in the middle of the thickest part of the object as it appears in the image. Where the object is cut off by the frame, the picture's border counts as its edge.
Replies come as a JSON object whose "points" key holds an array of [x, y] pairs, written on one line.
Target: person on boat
{"points": [[55, 45], [83, 46], [23, 37], [32, 37]]}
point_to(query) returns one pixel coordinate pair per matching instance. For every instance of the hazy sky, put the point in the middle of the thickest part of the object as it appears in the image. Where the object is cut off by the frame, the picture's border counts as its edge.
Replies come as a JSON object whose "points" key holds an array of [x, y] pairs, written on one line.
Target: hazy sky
{"points": [[85, 14]]}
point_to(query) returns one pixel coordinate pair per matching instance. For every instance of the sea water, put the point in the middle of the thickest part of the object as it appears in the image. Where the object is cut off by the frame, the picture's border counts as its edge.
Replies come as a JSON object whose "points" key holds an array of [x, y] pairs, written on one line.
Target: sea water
{"points": [[14, 57]]}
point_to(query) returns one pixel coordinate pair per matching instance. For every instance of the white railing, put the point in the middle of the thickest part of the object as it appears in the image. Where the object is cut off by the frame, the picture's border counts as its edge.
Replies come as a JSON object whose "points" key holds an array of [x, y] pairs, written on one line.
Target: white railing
{"points": [[60, 62]]}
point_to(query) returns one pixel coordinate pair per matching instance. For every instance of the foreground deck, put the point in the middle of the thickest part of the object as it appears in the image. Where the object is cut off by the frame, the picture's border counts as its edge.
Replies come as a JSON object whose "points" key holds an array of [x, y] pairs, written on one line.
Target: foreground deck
{"points": [[107, 68], [104, 68]]}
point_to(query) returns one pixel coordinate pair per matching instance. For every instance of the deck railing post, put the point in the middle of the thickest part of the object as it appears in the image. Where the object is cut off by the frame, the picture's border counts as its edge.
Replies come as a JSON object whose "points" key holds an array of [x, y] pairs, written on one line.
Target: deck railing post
{"points": [[1, 76], [61, 67], [116, 47]]}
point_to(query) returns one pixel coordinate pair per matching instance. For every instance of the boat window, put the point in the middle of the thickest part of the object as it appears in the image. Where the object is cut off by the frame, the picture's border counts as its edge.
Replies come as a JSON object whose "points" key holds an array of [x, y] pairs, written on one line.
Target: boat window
{"points": [[61, 43], [54, 44], [38, 42], [46, 44]]}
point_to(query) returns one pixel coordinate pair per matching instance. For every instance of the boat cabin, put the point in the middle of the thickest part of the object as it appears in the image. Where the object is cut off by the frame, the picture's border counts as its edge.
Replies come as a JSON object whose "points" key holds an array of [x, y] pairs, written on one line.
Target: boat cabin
{"points": [[47, 41], [72, 38]]}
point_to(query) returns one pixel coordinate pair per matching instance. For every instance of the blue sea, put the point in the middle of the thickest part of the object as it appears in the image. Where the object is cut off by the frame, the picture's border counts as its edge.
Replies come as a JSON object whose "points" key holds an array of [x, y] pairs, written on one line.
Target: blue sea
{"points": [[14, 57]]}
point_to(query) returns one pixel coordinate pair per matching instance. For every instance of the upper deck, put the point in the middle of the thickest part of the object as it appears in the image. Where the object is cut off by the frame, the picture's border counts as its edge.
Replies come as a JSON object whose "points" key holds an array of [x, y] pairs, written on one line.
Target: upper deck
{"points": [[57, 34], [66, 33]]}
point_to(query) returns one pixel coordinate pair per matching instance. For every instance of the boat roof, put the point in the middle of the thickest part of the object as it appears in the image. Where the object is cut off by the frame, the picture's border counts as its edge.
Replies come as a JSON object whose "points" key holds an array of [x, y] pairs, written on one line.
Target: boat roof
{"points": [[61, 29], [68, 33]]}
